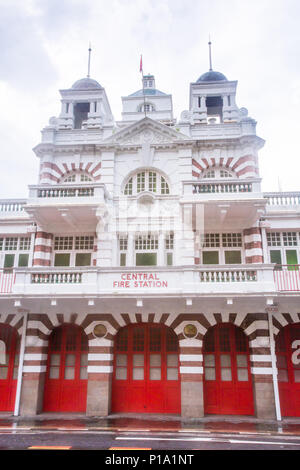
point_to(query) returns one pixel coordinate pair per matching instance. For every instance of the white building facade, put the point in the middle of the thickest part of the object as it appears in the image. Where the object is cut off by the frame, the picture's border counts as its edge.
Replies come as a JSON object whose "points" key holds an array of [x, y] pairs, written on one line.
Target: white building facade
{"points": [[146, 271]]}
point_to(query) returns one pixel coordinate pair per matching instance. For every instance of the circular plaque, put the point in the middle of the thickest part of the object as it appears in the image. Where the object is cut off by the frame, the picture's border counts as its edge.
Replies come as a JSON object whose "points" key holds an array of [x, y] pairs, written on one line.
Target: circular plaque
{"points": [[190, 331], [100, 331]]}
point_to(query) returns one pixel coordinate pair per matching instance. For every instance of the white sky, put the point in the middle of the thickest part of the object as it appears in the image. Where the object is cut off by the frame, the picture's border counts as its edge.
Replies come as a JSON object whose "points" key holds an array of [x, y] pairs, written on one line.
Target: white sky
{"points": [[44, 48]]}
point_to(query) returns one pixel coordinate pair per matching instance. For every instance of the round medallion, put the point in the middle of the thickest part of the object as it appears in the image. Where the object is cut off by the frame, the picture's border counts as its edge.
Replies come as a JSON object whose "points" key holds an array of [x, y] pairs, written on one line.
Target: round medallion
{"points": [[190, 331], [100, 331]]}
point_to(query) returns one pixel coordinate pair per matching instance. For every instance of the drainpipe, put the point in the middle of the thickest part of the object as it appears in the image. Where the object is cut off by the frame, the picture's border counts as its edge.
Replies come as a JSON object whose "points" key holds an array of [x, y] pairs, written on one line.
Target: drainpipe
{"points": [[20, 369], [274, 367]]}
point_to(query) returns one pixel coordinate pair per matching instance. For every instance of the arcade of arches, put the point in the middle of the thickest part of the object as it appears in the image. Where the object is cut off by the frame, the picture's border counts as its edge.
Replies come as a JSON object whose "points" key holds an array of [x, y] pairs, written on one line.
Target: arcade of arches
{"points": [[147, 360]]}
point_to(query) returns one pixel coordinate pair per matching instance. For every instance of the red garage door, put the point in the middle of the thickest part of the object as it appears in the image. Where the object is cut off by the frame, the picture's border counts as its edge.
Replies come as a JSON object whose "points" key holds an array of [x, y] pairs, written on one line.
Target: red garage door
{"points": [[9, 358], [66, 377], [146, 370], [288, 364], [227, 376]]}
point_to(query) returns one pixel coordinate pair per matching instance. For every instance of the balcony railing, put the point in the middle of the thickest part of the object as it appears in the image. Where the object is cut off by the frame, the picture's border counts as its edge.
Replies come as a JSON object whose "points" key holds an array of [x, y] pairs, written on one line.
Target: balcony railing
{"points": [[230, 275], [56, 278], [287, 277], [12, 205], [66, 192], [200, 188], [7, 280], [283, 199]]}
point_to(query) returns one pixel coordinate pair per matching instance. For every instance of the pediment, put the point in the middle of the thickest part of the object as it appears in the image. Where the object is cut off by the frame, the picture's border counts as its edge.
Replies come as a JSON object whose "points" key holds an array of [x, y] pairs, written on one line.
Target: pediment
{"points": [[146, 131]]}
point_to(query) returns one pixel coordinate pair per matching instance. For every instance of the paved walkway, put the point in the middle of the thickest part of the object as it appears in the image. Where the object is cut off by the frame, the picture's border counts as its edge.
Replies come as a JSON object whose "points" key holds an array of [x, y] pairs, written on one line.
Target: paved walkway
{"points": [[154, 423]]}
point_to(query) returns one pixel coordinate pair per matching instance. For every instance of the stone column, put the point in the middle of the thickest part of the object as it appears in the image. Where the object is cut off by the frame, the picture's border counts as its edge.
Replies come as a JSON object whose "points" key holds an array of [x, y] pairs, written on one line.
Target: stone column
{"points": [[192, 402]]}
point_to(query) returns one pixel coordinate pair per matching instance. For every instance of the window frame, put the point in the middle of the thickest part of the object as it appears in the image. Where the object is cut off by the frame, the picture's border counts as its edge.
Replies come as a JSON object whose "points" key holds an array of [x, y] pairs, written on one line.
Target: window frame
{"points": [[143, 181], [72, 251]]}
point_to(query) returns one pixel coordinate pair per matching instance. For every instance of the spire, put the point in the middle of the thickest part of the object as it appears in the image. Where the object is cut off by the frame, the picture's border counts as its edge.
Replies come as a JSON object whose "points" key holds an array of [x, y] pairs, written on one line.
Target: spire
{"points": [[209, 48], [89, 61]]}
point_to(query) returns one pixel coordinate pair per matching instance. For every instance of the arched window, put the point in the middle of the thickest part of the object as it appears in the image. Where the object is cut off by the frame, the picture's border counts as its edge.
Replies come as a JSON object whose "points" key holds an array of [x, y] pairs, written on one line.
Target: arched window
{"points": [[146, 181], [216, 173], [76, 178]]}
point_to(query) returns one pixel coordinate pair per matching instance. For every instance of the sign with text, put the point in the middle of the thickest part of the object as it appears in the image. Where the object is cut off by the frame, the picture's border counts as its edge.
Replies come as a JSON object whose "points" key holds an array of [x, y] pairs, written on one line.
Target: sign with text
{"points": [[139, 280]]}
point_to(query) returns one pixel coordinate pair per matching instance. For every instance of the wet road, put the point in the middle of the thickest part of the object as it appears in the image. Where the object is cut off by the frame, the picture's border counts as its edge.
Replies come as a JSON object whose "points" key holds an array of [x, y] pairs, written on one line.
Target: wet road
{"points": [[103, 440]]}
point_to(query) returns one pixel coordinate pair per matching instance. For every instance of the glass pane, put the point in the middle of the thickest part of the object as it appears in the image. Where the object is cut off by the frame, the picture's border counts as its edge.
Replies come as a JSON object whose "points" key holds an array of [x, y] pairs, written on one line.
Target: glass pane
{"points": [[84, 360], [121, 373], [15, 373], [233, 257], [54, 373], [225, 360], [282, 375], [275, 256], [83, 259], [155, 374], [281, 362], [242, 375], [138, 339], [155, 360], [241, 360], [55, 360], [210, 257], [210, 373], [209, 360], [138, 360], [291, 257], [9, 261], [3, 373], [146, 259], [155, 339], [23, 260], [121, 360], [297, 375], [69, 373], [62, 259], [226, 375], [138, 374], [70, 360], [172, 374], [172, 360], [169, 259], [123, 259], [83, 373]]}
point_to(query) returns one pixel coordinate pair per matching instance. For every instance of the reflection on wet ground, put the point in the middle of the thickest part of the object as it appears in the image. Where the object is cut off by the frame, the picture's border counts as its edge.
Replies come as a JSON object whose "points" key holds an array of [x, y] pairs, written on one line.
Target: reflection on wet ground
{"points": [[218, 424]]}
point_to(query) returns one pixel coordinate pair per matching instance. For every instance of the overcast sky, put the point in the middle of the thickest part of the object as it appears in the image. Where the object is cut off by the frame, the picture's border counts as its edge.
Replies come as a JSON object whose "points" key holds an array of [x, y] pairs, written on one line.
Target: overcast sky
{"points": [[44, 48]]}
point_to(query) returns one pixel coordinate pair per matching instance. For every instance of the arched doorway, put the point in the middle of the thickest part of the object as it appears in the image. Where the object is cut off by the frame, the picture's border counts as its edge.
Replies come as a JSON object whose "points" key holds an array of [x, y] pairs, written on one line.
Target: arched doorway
{"points": [[227, 374], [66, 376], [146, 370], [288, 364], [9, 361]]}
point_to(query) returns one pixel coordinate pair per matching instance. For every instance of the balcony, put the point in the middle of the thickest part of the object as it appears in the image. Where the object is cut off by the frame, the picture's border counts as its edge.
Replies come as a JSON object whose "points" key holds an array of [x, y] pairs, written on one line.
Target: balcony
{"points": [[67, 208], [230, 204], [287, 202], [12, 208], [287, 278], [132, 282]]}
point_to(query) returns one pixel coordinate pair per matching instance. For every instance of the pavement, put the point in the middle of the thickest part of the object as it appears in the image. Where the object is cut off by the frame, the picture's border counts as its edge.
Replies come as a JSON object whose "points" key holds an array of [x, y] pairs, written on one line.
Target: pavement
{"points": [[150, 423]]}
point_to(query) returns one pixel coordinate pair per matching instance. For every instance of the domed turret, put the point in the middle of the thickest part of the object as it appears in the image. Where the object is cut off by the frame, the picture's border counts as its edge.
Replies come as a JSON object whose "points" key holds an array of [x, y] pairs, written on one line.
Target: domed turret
{"points": [[211, 76], [86, 84]]}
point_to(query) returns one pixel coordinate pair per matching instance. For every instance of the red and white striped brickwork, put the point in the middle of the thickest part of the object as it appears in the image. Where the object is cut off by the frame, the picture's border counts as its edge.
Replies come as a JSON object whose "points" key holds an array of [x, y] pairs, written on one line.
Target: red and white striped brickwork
{"points": [[253, 245], [100, 357], [51, 173], [243, 166], [42, 249], [7, 280]]}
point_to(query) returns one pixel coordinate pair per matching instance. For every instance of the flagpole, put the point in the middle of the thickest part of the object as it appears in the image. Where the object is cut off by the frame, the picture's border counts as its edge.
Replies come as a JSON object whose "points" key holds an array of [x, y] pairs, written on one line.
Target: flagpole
{"points": [[141, 70]]}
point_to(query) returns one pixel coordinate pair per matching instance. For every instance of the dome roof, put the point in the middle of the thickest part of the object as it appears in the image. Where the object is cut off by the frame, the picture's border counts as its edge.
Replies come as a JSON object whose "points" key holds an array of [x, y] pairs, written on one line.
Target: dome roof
{"points": [[86, 84], [212, 76]]}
